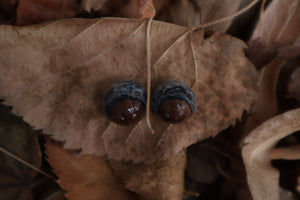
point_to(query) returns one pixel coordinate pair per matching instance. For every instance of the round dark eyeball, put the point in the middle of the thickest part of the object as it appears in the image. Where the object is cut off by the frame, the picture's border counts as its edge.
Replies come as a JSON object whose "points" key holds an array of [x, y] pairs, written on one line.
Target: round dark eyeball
{"points": [[174, 101], [125, 101]]}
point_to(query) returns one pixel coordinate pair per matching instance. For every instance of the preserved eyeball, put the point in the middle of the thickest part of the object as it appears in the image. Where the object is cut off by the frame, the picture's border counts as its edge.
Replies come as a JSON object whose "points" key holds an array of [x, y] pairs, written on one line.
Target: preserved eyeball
{"points": [[124, 103], [174, 101]]}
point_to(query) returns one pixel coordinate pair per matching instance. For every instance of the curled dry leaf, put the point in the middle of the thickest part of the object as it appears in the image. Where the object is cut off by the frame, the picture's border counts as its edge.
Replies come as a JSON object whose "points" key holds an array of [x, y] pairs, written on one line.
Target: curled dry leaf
{"points": [[84, 177], [280, 23], [56, 74], [279, 27], [263, 179]]}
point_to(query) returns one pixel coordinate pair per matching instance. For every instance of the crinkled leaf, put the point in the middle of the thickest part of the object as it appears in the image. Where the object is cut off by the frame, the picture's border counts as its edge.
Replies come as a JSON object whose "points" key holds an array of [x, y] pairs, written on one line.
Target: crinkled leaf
{"points": [[56, 74]]}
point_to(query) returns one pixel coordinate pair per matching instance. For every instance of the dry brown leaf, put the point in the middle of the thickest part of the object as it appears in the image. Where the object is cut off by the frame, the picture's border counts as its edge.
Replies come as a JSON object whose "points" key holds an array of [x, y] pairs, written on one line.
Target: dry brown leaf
{"points": [[294, 84], [280, 23], [35, 11], [55, 75], [159, 181], [146, 9], [84, 177], [263, 179], [195, 12], [128, 8], [21, 142], [279, 27], [90, 5]]}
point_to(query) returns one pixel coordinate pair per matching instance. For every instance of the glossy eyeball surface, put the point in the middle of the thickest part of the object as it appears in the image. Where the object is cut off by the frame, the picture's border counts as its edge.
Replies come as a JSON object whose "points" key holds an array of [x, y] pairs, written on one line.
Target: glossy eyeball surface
{"points": [[174, 101], [124, 103]]}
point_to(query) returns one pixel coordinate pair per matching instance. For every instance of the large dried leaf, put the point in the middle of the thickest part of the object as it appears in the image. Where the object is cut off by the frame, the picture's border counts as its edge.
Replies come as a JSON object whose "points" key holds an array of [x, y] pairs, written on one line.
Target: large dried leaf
{"points": [[263, 179], [84, 177], [55, 75], [17, 137], [279, 27]]}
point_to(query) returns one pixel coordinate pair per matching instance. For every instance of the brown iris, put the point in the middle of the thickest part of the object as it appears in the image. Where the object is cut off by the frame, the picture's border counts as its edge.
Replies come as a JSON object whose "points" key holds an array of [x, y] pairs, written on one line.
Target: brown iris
{"points": [[174, 111], [127, 112]]}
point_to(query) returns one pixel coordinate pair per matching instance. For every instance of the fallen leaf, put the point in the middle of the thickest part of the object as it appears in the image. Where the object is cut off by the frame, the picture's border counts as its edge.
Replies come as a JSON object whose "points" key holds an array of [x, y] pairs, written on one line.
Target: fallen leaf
{"points": [[290, 51], [90, 5], [146, 9], [261, 53], [243, 25], [18, 138], [84, 177], [195, 12], [263, 179], [279, 27], [287, 90], [279, 24], [35, 11], [159, 181], [63, 69], [294, 84], [128, 8], [203, 163]]}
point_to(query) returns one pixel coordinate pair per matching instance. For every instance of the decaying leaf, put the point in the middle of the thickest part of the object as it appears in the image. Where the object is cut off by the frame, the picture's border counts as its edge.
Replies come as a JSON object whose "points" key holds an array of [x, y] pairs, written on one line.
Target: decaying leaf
{"points": [[90, 5], [263, 179], [84, 177], [158, 181], [55, 75], [19, 139]]}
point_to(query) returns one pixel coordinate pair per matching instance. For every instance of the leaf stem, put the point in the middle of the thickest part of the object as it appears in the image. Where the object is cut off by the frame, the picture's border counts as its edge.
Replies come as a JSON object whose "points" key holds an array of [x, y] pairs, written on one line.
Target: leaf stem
{"points": [[148, 28]]}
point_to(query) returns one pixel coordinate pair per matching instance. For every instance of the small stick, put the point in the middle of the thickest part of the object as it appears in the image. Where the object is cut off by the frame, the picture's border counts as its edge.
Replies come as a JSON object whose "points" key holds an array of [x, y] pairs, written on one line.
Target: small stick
{"points": [[25, 163]]}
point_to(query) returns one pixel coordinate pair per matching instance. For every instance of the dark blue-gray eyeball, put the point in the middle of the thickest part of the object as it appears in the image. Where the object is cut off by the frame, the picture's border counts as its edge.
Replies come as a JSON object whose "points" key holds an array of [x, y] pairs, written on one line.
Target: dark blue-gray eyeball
{"points": [[125, 101], [174, 101]]}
